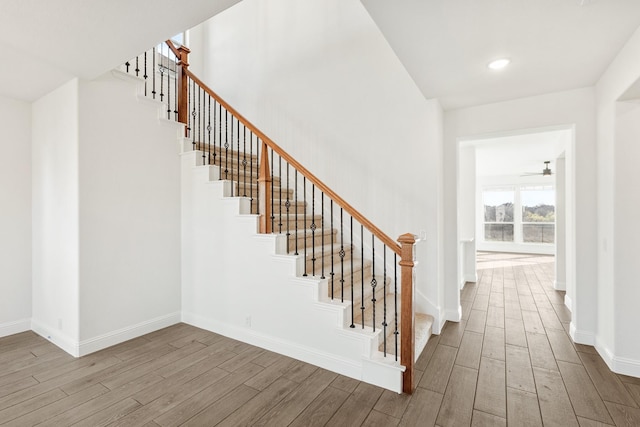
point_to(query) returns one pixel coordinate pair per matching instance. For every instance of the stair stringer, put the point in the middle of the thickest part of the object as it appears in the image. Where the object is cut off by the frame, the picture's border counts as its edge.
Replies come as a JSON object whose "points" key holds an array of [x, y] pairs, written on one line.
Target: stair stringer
{"points": [[235, 283]]}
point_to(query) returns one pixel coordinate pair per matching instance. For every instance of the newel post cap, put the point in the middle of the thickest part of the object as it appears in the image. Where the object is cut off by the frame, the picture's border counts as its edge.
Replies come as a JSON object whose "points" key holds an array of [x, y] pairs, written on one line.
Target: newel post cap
{"points": [[407, 238]]}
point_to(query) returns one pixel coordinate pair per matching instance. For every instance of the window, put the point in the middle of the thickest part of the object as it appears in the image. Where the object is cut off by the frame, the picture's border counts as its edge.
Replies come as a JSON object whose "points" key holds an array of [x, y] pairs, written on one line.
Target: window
{"points": [[498, 215], [538, 214]]}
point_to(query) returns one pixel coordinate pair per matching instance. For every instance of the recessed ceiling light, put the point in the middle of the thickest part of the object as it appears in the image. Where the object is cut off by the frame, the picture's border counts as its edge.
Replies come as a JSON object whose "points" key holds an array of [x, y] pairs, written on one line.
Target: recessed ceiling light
{"points": [[499, 64]]}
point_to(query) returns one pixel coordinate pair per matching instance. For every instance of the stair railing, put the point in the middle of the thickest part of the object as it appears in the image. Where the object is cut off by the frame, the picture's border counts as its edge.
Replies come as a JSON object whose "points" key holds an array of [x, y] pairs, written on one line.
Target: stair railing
{"points": [[273, 180]]}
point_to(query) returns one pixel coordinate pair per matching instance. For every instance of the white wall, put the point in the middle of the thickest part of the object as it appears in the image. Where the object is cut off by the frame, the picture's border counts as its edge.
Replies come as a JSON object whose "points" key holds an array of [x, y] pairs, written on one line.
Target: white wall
{"points": [[617, 226], [564, 109], [15, 216], [106, 215], [55, 216], [320, 79], [129, 186]]}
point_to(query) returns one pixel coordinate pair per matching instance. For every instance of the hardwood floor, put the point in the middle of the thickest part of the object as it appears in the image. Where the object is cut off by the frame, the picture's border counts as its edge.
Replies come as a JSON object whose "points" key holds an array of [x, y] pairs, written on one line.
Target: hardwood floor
{"points": [[509, 361]]}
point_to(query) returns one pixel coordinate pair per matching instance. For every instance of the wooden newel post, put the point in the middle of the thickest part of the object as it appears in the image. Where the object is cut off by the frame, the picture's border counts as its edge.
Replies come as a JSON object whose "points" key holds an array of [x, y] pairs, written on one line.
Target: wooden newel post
{"points": [[407, 318], [264, 191], [183, 86]]}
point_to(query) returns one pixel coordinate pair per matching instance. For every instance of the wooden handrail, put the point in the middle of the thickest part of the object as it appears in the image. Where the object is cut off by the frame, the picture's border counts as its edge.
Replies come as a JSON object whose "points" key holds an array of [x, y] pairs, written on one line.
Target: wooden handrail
{"points": [[173, 48], [395, 247]]}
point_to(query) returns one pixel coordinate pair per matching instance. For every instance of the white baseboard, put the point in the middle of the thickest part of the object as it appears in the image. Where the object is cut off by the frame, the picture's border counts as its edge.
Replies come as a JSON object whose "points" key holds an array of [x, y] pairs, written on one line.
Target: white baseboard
{"points": [[581, 337], [473, 278], [341, 365], [91, 345], [619, 365], [424, 305], [15, 327], [559, 286], [568, 302], [109, 339], [61, 340], [452, 316]]}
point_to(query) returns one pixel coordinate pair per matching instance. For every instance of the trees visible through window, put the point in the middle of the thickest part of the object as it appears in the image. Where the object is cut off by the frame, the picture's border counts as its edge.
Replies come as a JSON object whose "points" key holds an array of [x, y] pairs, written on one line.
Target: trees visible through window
{"points": [[538, 214], [498, 215]]}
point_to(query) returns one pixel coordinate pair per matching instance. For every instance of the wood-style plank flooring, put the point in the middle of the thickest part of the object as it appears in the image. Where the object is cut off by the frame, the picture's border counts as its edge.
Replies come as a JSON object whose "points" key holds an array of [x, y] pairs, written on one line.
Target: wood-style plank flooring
{"points": [[509, 361]]}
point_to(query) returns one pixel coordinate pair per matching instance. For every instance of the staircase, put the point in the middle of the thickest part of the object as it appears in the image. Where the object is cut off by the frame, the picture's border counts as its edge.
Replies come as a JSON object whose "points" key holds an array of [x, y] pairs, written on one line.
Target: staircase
{"points": [[273, 257], [347, 273]]}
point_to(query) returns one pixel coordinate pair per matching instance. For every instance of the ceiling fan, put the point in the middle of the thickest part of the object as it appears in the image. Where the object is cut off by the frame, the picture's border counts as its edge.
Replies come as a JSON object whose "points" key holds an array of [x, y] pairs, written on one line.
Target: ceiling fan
{"points": [[545, 172]]}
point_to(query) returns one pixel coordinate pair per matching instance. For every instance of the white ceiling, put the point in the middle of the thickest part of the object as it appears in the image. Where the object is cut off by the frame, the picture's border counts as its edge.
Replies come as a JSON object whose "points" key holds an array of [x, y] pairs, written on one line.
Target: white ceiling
{"points": [[554, 44], [47, 42], [515, 155]]}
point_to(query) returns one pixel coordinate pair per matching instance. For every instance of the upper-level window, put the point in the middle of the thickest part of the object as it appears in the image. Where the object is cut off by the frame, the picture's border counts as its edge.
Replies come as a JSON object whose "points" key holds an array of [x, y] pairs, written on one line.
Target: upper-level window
{"points": [[498, 215]]}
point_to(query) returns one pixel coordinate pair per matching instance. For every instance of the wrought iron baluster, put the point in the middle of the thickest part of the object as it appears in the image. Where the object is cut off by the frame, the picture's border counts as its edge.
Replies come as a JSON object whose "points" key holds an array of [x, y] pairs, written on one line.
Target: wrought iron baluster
{"points": [[244, 160], [137, 66], [341, 254], [226, 144], [288, 205], [238, 159], [295, 203], [304, 196], [194, 129], [322, 227], [332, 252], [395, 301], [279, 194], [200, 122], [384, 297], [127, 65], [373, 279], [251, 167], [145, 74], [313, 230], [273, 213], [153, 73], [175, 89], [161, 79], [220, 140], [168, 71], [362, 273], [215, 123], [352, 283], [209, 129]]}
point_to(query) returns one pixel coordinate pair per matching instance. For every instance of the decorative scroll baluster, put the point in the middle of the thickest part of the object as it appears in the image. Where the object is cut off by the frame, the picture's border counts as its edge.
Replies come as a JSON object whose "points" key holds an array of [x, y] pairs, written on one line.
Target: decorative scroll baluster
{"points": [[244, 160], [200, 130], [194, 129], [232, 183], [373, 279], [161, 81]]}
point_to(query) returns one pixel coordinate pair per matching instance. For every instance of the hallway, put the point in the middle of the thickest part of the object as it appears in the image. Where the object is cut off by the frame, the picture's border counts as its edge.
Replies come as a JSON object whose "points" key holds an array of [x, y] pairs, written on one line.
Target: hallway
{"points": [[511, 358]]}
